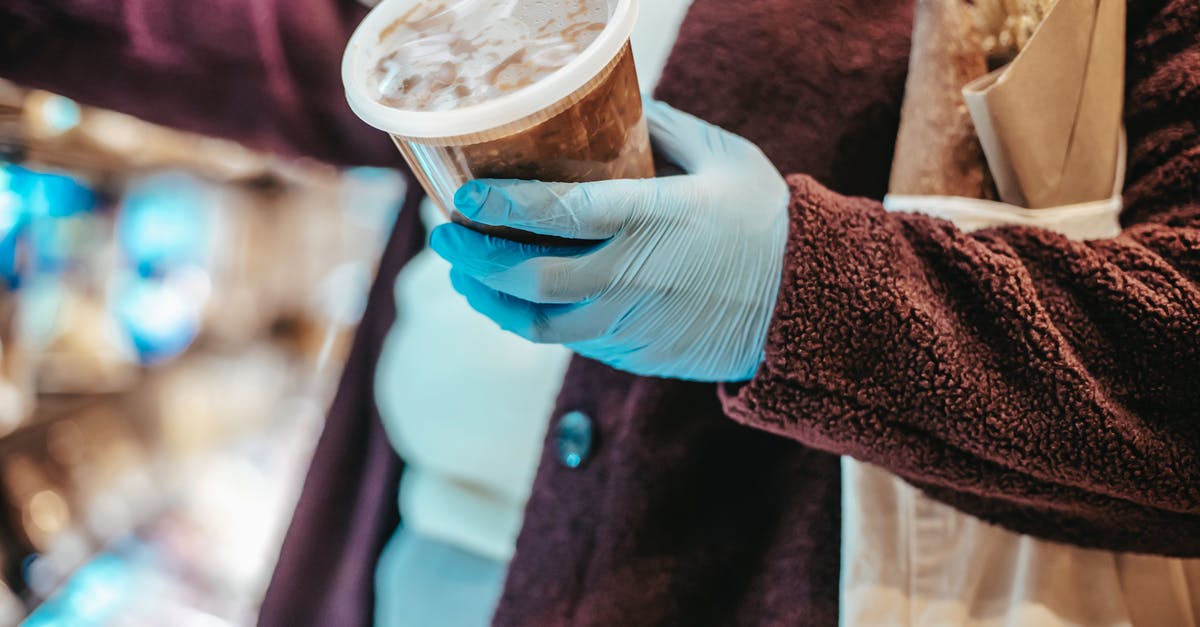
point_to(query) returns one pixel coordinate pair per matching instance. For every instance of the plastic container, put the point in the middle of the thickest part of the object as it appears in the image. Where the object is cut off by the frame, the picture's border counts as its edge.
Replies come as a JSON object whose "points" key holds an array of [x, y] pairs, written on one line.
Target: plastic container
{"points": [[582, 122]]}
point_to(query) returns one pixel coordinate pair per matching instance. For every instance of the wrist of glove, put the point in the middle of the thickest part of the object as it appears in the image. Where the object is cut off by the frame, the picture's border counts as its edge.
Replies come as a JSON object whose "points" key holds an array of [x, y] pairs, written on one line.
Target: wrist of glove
{"points": [[679, 278]]}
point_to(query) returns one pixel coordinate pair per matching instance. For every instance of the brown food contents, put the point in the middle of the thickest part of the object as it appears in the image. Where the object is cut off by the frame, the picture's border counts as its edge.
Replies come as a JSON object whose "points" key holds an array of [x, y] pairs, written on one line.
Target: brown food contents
{"points": [[589, 141], [601, 136]]}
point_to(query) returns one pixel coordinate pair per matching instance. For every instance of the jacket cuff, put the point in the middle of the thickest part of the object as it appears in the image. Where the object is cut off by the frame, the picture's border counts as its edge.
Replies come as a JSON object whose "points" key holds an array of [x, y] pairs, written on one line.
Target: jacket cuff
{"points": [[834, 266]]}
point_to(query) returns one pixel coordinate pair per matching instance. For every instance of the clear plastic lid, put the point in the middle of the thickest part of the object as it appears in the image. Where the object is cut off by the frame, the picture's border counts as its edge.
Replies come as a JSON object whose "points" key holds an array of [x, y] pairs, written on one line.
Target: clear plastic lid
{"points": [[365, 48]]}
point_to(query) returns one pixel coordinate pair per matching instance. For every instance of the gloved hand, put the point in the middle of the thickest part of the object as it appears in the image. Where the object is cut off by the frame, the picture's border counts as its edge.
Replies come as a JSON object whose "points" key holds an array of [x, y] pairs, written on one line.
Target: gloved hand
{"points": [[683, 280]]}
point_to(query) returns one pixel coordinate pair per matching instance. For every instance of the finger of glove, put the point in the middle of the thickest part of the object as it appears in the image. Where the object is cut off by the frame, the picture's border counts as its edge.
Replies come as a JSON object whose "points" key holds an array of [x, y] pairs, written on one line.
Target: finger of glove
{"points": [[596, 210], [696, 145], [539, 274], [541, 323], [684, 139]]}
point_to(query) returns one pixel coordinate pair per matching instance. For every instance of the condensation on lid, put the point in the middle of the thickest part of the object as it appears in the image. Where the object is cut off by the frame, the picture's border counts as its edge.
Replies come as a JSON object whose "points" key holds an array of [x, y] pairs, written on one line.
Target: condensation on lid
{"points": [[364, 50]]}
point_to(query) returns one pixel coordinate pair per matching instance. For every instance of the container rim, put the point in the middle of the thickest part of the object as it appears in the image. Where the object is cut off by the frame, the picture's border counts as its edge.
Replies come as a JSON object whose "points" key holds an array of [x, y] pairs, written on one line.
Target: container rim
{"points": [[481, 117]]}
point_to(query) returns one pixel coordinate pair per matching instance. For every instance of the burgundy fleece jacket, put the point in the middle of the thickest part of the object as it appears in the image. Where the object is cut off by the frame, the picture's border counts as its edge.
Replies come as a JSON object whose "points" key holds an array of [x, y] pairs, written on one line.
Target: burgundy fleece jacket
{"points": [[1035, 382], [1040, 383]]}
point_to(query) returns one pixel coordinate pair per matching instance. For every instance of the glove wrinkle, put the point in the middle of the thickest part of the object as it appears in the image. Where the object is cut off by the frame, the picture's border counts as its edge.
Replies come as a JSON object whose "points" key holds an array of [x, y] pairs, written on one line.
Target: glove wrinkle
{"points": [[685, 281]]}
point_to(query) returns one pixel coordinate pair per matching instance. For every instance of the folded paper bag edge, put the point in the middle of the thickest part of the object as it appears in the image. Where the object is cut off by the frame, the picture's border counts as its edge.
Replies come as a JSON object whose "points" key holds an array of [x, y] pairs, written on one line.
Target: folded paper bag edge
{"points": [[1026, 113], [995, 150]]}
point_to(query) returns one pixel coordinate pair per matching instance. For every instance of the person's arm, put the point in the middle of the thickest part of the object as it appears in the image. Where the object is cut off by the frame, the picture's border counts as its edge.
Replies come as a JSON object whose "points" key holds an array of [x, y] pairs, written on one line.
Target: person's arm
{"points": [[1010, 371], [1048, 384], [263, 72]]}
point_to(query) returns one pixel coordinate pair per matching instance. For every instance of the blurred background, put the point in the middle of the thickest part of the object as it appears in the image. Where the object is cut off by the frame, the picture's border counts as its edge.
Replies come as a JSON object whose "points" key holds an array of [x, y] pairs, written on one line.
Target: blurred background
{"points": [[174, 314]]}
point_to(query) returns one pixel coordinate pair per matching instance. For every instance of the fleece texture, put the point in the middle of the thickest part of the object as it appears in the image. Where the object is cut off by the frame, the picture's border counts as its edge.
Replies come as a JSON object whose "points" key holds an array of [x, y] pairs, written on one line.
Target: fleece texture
{"points": [[1046, 385], [1043, 384]]}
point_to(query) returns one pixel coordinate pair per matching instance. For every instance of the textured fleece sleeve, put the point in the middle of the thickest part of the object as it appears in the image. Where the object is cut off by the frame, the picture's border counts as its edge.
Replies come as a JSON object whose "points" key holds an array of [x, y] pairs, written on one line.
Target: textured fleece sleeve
{"points": [[1049, 385], [263, 72]]}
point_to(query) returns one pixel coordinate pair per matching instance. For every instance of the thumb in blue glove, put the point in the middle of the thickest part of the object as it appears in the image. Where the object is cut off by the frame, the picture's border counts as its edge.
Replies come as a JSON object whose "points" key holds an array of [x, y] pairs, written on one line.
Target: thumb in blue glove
{"points": [[681, 279]]}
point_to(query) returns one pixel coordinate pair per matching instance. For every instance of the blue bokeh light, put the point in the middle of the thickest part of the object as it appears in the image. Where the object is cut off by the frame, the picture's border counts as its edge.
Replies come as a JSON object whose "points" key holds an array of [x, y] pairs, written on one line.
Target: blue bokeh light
{"points": [[40, 211], [92, 596], [60, 114], [48, 193], [166, 221], [161, 317]]}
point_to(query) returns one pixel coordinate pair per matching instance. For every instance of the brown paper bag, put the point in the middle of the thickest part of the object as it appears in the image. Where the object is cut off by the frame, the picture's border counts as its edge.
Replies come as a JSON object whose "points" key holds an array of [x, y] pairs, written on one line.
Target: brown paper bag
{"points": [[1050, 121]]}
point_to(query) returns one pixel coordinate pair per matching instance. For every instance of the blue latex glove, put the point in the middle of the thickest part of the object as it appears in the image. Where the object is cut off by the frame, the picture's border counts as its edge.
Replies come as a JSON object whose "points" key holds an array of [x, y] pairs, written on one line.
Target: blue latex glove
{"points": [[684, 278]]}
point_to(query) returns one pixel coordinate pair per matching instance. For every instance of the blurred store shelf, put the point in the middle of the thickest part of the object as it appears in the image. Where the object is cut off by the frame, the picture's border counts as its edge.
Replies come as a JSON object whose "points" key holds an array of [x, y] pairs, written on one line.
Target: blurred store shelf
{"points": [[174, 310]]}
